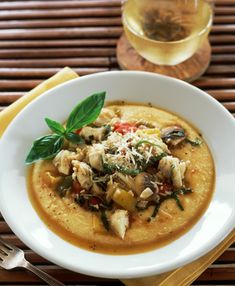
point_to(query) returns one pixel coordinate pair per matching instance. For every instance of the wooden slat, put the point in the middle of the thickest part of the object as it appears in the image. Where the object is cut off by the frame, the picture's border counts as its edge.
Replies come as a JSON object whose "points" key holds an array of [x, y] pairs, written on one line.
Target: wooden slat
{"points": [[62, 275], [14, 240], [58, 43], [224, 10], [223, 28], [42, 72], [80, 22], [59, 13], [217, 82], [215, 39], [221, 69], [22, 5], [18, 84], [222, 94], [7, 98], [60, 33], [230, 106], [57, 53], [4, 228], [221, 49], [228, 256], [224, 59], [223, 19], [72, 62], [219, 273], [224, 2]]}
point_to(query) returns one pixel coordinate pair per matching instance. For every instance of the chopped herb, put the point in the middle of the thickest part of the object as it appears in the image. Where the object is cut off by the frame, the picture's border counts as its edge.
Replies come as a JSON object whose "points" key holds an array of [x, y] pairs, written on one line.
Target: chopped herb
{"points": [[183, 191], [104, 219], [176, 198], [174, 195], [64, 186], [157, 158], [111, 168], [108, 129], [156, 209], [80, 200]]}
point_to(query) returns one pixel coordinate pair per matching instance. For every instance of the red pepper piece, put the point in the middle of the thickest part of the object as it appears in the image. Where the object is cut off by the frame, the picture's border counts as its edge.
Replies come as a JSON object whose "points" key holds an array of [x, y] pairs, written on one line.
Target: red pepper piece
{"points": [[124, 127]]}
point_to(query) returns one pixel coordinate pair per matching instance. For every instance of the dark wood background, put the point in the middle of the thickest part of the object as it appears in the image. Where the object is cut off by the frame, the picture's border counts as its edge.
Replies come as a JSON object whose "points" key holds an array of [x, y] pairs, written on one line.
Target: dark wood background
{"points": [[38, 38]]}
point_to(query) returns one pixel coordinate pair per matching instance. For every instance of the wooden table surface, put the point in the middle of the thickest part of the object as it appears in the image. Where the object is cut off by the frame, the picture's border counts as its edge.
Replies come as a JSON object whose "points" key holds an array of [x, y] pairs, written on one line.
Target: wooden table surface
{"points": [[38, 38]]}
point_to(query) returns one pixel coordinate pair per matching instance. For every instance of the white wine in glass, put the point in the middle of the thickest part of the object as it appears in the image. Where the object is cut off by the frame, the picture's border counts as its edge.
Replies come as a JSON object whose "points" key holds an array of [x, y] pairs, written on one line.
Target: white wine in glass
{"points": [[167, 32]]}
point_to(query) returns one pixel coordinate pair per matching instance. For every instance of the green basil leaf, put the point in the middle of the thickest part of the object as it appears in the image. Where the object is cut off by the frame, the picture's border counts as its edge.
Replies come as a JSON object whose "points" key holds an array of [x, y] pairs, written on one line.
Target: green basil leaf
{"points": [[74, 138], [104, 219], [85, 112], [55, 126], [44, 148]]}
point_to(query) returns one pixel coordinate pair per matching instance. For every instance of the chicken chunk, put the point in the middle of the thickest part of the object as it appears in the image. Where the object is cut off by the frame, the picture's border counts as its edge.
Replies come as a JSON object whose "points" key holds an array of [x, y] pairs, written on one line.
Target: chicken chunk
{"points": [[89, 133], [63, 160], [82, 173], [119, 222], [105, 117], [174, 169], [95, 154]]}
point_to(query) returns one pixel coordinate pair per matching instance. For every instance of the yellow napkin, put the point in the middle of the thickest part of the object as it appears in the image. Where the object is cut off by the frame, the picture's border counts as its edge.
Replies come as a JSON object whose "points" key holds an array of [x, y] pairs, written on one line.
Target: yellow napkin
{"points": [[10, 112], [180, 277]]}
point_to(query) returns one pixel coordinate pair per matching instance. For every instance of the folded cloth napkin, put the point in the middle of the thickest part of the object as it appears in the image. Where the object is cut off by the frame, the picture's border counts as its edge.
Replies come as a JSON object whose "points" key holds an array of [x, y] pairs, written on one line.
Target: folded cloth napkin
{"points": [[10, 112], [180, 277]]}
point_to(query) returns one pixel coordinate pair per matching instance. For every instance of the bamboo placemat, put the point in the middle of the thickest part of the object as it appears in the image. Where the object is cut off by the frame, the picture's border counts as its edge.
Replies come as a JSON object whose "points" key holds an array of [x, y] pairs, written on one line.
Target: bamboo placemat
{"points": [[38, 38]]}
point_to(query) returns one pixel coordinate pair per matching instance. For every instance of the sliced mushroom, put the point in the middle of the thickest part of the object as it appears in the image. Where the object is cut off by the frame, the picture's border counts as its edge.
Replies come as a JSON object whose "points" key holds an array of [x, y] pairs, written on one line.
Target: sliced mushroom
{"points": [[173, 135], [143, 181]]}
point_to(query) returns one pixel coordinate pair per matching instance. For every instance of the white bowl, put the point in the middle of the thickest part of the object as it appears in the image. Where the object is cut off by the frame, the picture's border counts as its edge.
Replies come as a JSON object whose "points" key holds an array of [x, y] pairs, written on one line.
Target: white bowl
{"points": [[213, 120]]}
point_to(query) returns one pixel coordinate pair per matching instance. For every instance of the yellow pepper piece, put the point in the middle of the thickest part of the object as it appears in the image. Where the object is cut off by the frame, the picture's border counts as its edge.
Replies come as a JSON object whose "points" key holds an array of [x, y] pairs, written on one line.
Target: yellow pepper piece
{"points": [[124, 199], [150, 131]]}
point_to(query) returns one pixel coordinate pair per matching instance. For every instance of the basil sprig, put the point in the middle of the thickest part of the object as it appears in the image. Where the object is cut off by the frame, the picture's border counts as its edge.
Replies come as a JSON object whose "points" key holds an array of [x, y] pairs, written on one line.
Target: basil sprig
{"points": [[84, 113]]}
